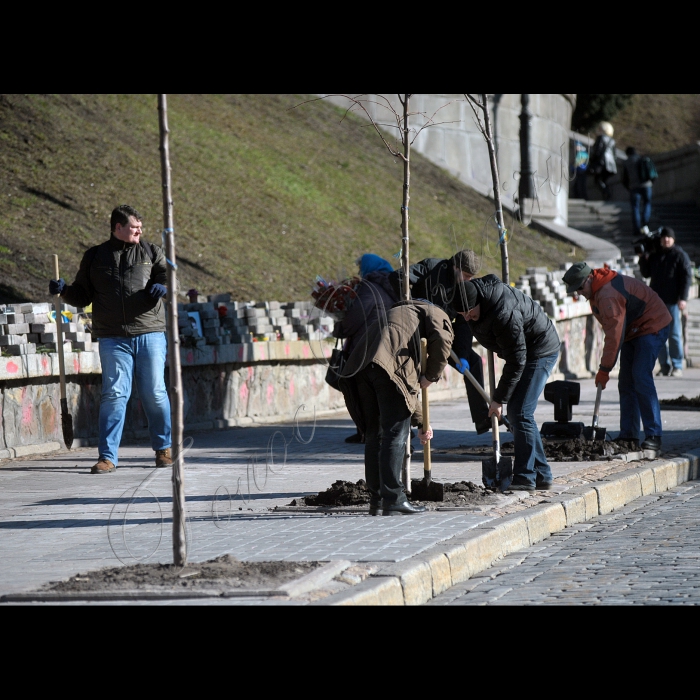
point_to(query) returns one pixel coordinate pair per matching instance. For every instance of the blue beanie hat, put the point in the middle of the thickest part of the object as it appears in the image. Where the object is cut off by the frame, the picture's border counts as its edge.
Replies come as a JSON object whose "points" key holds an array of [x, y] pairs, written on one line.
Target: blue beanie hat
{"points": [[373, 263]]}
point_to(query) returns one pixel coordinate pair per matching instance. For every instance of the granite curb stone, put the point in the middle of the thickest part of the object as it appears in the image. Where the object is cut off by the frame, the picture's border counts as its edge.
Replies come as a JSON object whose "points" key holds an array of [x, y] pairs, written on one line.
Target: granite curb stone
{"points": [[418, 579]]}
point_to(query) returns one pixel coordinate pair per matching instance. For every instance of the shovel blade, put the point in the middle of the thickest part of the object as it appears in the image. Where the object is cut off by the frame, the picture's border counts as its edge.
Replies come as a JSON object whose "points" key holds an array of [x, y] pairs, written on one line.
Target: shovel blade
{"points": [[66, 424], [489, 473], [505, 473], [591, 433], [423, 490], [497, 475]]}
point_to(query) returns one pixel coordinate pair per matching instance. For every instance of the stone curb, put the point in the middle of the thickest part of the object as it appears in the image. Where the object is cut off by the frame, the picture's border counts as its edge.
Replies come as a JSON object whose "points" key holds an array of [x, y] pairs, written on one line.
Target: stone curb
{"points": [[426, 575]]}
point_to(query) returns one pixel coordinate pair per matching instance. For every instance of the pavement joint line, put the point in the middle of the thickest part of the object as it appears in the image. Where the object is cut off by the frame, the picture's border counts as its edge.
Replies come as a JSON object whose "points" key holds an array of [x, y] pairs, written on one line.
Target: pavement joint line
{"points": [[489, 543]]}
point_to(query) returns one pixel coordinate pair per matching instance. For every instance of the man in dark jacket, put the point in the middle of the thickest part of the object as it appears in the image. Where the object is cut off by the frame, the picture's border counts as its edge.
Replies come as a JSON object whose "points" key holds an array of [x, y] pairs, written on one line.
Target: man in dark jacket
{"points": [[385, 367], [124, 280], [671, 273], [516, 328], [434, 279], [639, 189]]}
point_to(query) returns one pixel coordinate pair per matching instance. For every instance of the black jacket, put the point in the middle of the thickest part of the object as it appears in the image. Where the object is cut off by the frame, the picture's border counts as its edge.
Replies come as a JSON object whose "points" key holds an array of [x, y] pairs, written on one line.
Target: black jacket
{"points": [[434, 279], [671, 273], [116, 278], [513, 326]]}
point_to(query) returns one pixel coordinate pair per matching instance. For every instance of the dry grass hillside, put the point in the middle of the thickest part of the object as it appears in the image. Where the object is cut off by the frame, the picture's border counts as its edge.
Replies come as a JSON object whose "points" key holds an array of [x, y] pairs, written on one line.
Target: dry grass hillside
{"points": [[265, 196], [657, 123]]}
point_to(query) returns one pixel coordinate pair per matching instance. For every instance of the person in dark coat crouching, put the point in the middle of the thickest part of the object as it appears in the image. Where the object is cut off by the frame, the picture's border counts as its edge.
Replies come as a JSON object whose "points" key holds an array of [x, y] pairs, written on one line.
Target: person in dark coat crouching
{"points": [[516, 328], [375, 296], [385, 370]]}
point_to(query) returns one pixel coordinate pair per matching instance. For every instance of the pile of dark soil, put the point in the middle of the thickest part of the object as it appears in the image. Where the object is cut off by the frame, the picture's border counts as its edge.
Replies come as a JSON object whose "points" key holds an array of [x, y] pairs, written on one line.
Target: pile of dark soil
{"points": [[221, 573], [579, 450], [345, 493], [467, 493], [682, 401], [341, 493]]}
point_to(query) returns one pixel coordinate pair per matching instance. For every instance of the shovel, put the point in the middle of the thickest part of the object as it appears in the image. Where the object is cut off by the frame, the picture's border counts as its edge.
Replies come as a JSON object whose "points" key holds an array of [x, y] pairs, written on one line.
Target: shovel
{"points": [[594, 432], [66, 417], [496, 471], [480, 389], [426, 489]]}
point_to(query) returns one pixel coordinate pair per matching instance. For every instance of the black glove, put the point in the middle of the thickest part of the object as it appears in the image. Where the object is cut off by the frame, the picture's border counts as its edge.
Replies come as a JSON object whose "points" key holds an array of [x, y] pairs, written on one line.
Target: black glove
{"points": [[158, 291], [57, 286]]}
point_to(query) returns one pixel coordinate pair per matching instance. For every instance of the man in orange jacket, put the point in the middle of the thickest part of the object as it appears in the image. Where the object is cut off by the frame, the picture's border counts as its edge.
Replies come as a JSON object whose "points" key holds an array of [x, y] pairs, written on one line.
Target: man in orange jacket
{"points": [[636, 324]]}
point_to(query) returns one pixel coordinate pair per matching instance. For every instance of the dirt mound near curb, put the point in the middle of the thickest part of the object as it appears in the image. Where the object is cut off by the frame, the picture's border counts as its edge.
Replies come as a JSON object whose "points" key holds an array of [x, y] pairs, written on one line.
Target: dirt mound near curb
{"points": [[345, 493], [222, 573]]}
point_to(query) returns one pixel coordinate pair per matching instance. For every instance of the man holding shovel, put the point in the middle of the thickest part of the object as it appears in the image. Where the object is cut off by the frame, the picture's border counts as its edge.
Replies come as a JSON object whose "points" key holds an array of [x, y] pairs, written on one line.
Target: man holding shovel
{"points": [[516, 328], [636, 324], [434, 279], [124, 279], [386, 367]]}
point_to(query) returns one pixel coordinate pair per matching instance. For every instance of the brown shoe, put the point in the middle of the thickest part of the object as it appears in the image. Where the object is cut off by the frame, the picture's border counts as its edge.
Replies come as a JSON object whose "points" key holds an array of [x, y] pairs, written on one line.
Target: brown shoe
{"points": [[163, 458], [103, 466]]}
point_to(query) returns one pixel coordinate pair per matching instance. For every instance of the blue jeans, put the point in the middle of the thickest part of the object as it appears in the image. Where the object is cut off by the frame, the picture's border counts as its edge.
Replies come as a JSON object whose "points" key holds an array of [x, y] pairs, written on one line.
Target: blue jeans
{"points": [[530, 465], [675, 342], [638, 399], [640, 199], [123, 359]]}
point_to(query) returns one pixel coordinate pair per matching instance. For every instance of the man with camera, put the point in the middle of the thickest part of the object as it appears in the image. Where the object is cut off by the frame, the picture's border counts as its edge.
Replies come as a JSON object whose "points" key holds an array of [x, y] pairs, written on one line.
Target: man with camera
{"points": [[671, 273]]}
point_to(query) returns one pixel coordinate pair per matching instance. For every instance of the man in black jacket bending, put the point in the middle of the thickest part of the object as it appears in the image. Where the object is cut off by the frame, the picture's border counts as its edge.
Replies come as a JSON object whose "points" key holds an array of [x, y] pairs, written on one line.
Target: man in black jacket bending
{"points": [[671, 274], [516, 328], [434, 279], [124, 280]]}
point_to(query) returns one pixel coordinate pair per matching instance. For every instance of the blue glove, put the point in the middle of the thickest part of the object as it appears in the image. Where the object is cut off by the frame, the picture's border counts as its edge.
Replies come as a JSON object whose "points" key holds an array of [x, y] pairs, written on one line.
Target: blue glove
{"points": [[57, 286], [158, 291], [462, 365]]}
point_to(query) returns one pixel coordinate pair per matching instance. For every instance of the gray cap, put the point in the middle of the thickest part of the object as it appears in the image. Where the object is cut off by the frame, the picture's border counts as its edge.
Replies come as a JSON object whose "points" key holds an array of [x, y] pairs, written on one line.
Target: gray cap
{"points": [[575, 276]]}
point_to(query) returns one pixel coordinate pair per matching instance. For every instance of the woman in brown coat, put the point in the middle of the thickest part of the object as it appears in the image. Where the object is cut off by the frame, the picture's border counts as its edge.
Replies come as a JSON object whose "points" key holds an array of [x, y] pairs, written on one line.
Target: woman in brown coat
{"points": [[385, 364]]}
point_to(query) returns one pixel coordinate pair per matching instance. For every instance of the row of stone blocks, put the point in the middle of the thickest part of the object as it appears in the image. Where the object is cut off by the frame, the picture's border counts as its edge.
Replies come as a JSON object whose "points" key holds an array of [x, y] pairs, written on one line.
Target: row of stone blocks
{"points": [[224, 321], [28, 326]]}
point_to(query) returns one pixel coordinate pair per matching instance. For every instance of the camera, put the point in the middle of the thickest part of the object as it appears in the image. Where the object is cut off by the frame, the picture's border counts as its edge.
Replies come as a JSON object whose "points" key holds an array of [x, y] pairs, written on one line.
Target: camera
{"points": [[648, 243]]}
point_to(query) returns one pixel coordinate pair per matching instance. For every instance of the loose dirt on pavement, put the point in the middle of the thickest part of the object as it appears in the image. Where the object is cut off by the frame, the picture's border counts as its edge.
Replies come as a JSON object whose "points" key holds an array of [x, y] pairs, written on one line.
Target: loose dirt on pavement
{"points": [[682, 401], [347, 493], [223, 573], [573, 450]]}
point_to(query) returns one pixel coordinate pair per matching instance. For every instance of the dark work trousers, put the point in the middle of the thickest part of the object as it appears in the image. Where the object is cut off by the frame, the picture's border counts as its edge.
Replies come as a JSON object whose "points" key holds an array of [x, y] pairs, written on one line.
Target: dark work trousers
{"points": [[477, 404], [387, 424]]}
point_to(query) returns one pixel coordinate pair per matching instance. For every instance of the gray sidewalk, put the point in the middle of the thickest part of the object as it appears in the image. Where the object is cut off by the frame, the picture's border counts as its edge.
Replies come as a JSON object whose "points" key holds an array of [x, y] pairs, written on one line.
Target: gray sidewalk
{"points": [[58, 520]]}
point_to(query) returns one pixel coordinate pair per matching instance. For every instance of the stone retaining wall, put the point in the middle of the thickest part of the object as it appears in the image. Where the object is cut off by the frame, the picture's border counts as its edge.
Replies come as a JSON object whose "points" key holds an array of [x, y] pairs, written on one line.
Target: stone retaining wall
{"points": [[224, 386]]}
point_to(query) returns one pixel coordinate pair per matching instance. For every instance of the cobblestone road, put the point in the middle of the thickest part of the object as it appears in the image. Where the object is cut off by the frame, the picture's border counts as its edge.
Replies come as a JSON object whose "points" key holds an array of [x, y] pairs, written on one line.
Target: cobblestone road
{"points": [[648, 553]]}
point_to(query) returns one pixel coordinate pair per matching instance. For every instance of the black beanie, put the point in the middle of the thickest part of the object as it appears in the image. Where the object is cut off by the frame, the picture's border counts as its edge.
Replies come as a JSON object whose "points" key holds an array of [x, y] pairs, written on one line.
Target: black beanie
{"points": [[465, 296]]}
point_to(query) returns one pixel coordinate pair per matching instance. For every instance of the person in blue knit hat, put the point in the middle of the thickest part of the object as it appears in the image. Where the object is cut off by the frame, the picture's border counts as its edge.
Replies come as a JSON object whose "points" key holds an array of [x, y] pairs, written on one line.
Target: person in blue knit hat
{"points": [[375, 296]]}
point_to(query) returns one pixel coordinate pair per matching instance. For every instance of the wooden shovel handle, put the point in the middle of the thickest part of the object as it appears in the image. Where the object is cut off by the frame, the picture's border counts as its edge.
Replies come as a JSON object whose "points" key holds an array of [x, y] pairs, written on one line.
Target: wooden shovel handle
{"points": [[426, 407]]}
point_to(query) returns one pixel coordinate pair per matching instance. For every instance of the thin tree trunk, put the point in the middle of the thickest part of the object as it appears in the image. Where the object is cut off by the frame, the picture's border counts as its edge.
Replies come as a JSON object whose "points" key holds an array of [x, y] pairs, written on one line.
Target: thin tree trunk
{"points": [[404, 260], [406, 199], [505, 270], [176, 395]]}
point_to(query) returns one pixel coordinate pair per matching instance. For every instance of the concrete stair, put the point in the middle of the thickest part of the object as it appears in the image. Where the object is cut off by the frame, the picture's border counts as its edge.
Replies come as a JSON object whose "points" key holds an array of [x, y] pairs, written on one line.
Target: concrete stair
{"points": [[612, 221]]}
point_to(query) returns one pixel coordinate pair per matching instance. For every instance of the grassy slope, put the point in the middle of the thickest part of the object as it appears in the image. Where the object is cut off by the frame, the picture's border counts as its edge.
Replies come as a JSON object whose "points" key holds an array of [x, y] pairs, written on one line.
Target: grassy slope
{"points": [[657, 123], [265, 197]]}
